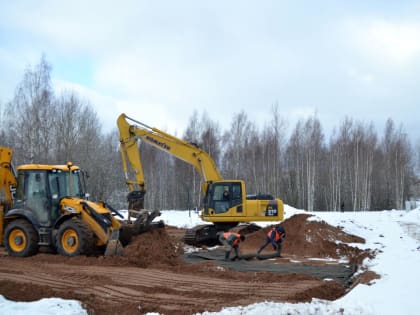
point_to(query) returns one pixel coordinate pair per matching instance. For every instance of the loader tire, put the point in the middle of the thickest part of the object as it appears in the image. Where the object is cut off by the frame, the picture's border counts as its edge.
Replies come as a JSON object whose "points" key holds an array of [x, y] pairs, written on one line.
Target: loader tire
{"points": [[74, 238], [20, 239]]}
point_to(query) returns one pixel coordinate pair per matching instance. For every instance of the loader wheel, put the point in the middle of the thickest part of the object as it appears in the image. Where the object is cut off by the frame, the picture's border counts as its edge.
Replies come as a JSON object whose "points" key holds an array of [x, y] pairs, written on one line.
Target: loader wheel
{"points": [[21, 239], [74, 238]]}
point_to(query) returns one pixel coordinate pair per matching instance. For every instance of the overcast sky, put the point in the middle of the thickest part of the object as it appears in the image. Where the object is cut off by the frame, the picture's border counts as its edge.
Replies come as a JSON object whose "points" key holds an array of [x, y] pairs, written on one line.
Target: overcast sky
{"points": [[157, 61]]}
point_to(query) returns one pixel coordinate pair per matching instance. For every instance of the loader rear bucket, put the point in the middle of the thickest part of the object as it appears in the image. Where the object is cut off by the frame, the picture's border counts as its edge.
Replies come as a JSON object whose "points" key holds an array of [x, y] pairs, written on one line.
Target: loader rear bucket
{"points": [[114, 246]]}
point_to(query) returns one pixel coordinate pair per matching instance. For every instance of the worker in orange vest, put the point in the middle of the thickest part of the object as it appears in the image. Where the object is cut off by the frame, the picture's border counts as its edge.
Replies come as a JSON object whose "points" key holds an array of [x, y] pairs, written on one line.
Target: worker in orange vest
{"points": [[231, 240], [274, 237]]}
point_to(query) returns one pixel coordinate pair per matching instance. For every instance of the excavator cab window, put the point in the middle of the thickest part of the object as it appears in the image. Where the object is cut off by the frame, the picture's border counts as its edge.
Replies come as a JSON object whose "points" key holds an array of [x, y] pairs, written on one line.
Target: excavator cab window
{"points": [[236, 194], [223, 196]]}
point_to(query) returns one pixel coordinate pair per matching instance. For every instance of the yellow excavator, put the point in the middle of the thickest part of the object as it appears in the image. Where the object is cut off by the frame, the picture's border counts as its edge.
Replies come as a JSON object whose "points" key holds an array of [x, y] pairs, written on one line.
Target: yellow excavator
{"points": [[225, 202], [46, 206]]}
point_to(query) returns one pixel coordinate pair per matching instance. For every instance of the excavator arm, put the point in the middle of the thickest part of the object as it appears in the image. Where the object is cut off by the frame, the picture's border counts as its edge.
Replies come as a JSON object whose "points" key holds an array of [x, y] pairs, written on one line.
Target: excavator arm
{"points": [[131, 130]]}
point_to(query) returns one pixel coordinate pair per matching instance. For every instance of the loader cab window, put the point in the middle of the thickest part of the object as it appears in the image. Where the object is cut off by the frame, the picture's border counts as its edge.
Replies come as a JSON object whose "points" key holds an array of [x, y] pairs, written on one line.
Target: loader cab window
{"points": [[36, 193], [59, 184], [59, 188], [20, 190]]}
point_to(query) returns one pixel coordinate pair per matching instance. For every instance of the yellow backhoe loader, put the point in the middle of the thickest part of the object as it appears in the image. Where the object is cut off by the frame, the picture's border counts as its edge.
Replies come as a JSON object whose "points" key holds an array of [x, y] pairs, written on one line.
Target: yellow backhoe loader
{"points": [[226, 203], [45, 206]]}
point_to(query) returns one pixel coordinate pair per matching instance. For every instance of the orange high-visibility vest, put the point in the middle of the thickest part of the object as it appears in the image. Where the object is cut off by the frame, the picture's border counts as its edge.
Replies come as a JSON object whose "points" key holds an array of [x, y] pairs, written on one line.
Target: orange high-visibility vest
{"points": [[277, 235], [232, 238]]}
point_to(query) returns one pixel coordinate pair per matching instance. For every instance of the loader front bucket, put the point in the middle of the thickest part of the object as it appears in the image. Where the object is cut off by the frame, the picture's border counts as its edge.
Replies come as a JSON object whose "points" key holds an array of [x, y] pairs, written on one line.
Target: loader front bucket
{"points": [[114, 246]]}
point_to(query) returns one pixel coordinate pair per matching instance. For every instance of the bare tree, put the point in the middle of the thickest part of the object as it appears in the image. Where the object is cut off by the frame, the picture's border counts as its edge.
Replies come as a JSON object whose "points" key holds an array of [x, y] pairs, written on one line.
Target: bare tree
{"points": [[295, 167], [31, 115], [363, 144], [267, 149], [114, 188], [417, 155], [190, 187], [67, 126], [303, 160], [415, 187], [86, 149], [397, 152], [235, 142], [3, 123], [335, 158], [351, 165], [339, 159], [313, 148]]}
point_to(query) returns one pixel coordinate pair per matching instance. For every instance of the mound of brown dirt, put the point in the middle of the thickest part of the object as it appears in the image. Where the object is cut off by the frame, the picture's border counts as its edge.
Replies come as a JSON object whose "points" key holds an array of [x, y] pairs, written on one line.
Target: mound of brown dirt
{"points": [[309, 239], [153, 249]]}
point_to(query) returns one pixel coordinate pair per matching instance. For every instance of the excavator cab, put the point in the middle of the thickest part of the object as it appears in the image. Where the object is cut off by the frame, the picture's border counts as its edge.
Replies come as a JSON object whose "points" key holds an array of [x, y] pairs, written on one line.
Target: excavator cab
{"points": [[226, 205], [224, 199]]}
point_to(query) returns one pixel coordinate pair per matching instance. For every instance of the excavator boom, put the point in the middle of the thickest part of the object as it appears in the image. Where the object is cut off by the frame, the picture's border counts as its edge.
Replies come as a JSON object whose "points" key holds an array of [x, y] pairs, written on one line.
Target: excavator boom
{"points": [[184, 150]]}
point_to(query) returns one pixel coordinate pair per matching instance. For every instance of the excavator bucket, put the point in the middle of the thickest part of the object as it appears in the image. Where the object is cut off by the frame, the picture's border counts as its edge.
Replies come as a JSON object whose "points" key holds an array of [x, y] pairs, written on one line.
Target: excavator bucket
{"points": [[143, 219], [114, 246]]}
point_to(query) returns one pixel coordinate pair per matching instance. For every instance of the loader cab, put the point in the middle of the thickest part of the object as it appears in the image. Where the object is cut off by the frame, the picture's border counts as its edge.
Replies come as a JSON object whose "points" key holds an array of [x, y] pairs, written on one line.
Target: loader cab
{"points": [[222, 196], [40, 188]]}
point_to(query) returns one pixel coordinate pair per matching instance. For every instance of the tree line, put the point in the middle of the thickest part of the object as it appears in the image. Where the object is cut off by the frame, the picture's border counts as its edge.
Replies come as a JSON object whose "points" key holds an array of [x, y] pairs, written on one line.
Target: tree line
{"points": [[354, 169]]}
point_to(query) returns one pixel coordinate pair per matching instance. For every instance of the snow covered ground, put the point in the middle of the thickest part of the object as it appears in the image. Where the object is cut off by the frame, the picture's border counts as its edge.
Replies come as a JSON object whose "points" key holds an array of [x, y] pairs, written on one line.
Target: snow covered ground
{"points": [[396, 234]]}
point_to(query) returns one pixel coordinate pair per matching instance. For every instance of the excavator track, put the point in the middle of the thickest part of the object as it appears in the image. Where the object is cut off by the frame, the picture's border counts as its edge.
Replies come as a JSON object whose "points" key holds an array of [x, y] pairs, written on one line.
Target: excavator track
{"points": [[204, 234]]}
